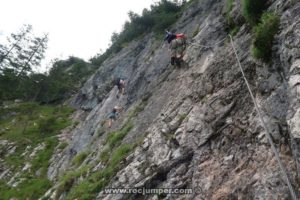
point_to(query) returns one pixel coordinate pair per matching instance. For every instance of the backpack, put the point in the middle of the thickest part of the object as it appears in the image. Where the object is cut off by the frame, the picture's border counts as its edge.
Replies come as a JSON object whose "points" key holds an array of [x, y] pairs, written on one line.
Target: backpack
{"points": [[181, 35], [182, 38]]}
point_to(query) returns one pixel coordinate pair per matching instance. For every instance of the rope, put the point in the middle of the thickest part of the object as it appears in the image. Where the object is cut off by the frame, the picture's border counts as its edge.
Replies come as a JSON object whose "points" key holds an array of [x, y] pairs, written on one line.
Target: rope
{"points": [[283, 170], [200, 45]]}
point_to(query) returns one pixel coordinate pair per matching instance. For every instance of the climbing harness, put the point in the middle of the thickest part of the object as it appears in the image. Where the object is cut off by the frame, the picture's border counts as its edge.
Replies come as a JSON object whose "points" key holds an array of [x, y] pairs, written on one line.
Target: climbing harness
{"points": [[268, 134]]}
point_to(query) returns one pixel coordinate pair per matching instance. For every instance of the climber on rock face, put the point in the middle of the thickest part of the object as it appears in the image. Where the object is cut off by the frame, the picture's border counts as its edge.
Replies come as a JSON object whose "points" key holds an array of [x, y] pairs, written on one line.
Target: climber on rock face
{"points": [[120, 83], [177, 45], [113, 115]]}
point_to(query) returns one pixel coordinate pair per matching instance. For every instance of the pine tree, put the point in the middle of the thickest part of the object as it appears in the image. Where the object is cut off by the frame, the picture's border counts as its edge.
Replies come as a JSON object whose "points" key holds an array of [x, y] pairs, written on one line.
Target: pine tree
{"points": [[15, 40], [33, 55], [17, 61]]}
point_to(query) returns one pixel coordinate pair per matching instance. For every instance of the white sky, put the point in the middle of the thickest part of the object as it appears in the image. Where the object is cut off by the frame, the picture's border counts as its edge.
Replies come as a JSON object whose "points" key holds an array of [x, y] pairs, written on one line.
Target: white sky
{"points": [[76, 27]]}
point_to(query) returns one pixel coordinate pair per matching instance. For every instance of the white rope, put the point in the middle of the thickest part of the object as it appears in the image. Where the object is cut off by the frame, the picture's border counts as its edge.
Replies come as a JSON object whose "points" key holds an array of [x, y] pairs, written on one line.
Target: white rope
{"points": [[200, 45], [283, 170]]}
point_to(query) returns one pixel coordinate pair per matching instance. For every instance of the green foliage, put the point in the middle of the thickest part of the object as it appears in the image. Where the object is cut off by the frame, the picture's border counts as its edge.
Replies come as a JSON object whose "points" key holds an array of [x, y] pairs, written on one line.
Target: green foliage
{"points": [[15, 117], [84, 191], [182, 117], [139, 108], [92, 185], [41, 161], [164, 21], [229, 5], [68, 180], [64, 78], [79, 158], [8, 84], [119, 155], [160, 17], [34, 186], [252, 10], [30, 189], [264, 35], [196, 31], [30, 115], [62, 145], [112, 157], [104, 157], [234, 30], [24, 51], [113, 139], [46, 125], [116, 137], [20, 109], [232, 27]]}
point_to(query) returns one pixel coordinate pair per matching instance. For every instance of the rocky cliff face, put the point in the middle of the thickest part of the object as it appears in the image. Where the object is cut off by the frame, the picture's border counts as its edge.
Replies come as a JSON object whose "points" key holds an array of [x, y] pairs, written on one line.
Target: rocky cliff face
{"points": [[194, 126]]}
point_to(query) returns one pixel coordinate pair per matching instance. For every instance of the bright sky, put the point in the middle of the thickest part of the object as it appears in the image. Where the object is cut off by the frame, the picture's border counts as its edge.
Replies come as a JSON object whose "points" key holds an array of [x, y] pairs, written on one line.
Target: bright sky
{"points": [[76, 27]]}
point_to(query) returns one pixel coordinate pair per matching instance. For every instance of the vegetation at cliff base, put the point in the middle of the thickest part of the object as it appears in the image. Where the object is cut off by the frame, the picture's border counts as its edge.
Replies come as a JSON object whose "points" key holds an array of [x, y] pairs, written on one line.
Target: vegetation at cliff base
{"points": [[26, 127], [92, 185]]}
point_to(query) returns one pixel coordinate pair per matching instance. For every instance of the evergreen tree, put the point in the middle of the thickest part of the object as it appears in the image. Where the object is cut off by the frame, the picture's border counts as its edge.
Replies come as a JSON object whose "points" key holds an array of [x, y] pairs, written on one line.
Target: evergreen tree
{"points": [[17, 61], [32, 56], [15, 41]]}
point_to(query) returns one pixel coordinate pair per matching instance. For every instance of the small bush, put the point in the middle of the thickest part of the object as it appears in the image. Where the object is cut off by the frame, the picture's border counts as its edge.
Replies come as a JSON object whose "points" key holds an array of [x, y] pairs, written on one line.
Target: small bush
{"points": [[264, 35], [88, 188], [252, 10]]}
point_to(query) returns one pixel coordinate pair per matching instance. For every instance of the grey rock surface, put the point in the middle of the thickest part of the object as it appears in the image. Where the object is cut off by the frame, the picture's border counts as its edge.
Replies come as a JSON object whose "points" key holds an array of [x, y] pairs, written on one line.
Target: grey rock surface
{"points": [[198, 127]]}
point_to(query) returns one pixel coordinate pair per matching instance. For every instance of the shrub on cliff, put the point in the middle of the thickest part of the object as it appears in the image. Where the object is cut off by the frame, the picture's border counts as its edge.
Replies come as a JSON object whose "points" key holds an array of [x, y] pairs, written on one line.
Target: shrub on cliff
{"points": [[252, 10], [264, 35]]}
